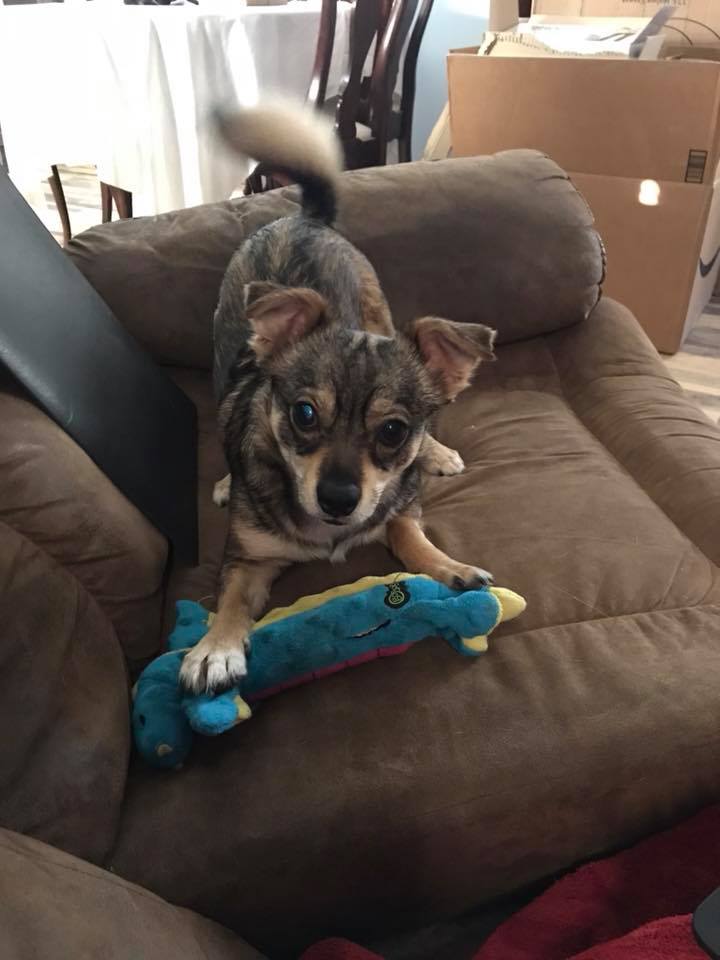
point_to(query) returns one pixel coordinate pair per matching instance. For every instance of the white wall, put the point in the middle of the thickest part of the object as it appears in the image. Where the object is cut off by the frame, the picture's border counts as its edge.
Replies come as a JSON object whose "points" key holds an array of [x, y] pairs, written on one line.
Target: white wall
{"points": [[453, 23]]}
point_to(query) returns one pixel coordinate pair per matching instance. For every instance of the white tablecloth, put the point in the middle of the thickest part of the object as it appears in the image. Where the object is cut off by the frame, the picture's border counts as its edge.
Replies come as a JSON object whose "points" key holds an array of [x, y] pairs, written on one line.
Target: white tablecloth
{"points": [[129, 89]]}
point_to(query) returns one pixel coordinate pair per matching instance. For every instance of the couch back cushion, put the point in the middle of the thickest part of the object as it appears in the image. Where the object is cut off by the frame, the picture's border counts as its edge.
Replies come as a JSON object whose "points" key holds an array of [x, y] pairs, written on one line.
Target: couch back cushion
{"points": [[55, 496], [505, 240]]}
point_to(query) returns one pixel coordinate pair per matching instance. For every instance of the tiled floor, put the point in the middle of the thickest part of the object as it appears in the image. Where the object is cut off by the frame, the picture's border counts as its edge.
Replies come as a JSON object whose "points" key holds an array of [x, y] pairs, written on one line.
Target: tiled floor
{"points": [[697, 367]]}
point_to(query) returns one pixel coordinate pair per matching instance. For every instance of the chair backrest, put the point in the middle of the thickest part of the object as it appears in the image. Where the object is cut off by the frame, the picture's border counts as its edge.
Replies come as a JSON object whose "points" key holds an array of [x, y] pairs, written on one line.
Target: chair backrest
{"points": [[367, 26], [370, 99], [323, 53], [407, 103], [387, 63]]}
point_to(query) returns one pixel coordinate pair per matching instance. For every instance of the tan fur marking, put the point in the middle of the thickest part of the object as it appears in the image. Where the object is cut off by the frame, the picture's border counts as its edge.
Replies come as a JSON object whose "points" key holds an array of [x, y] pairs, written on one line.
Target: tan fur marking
{"points": [[276, 547], [323, 399], [307, 473], [279, 249], [375, 312], [381, 408], [306, 469], [372, 484]]}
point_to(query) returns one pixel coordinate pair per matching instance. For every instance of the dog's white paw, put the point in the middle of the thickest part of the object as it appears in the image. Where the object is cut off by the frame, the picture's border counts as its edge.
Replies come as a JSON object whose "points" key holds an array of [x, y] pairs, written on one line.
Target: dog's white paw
{"points": [[441, 461], [460, 576], [214, 664], [221, 492]]}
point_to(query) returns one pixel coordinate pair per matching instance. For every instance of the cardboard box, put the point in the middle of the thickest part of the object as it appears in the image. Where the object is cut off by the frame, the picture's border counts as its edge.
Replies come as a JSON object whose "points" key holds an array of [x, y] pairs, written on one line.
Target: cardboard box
{"points": [[503, 14], [662, 261], [604, 116], [697, 20], [613, 125], [681, 51], [616, 38], [626, 36]]}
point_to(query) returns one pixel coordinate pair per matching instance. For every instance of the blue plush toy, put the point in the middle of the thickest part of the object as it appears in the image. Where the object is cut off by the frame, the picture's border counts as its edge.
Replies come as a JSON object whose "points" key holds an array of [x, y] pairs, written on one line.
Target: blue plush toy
{"points": [[316, 636]]}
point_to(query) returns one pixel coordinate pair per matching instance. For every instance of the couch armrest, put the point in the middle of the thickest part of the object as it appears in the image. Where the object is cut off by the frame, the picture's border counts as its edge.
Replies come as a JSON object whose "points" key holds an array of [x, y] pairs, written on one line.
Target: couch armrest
{"points": [[54, 495], [624, 393], [53, 905], [506, 240], [63, 707]]}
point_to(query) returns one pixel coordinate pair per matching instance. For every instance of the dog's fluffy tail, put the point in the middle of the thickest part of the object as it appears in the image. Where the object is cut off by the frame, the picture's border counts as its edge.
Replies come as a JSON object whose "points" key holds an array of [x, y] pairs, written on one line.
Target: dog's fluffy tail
{"points": [[292, 141]]}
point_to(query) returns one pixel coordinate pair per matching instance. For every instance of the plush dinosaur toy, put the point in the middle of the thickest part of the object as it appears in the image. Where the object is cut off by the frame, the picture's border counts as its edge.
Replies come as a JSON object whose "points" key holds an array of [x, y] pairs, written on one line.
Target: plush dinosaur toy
{"points": [[316, 636]]}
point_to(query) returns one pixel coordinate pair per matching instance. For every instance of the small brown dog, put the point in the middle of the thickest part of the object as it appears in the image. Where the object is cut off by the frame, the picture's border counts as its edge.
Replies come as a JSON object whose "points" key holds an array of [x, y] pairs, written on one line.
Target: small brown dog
{"points": [[323, 407]]}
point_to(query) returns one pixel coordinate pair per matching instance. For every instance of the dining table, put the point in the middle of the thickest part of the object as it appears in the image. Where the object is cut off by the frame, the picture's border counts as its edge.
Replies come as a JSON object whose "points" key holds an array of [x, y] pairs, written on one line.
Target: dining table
{"points": [[131, 89]]}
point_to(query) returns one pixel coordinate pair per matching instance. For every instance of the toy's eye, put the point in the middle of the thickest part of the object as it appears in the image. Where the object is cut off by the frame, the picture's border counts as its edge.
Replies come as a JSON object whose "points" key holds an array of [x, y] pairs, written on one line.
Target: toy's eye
{"points": [[304, 415], [393, 433], [141, 720]]}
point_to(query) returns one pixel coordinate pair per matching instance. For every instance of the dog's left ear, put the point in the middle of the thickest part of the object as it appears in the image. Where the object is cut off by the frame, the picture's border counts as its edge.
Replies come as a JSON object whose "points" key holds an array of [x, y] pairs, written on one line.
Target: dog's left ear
{"points": [[452, 351], [280, 316]]}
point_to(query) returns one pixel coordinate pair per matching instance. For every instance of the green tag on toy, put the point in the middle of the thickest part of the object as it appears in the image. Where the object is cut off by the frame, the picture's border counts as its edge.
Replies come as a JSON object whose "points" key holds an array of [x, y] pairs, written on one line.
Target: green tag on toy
{"points": [[397, 595]]}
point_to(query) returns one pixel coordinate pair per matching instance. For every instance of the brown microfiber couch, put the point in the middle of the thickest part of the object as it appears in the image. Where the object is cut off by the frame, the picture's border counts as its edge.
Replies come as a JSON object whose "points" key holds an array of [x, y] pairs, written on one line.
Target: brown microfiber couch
{"points": [[411, 788]]}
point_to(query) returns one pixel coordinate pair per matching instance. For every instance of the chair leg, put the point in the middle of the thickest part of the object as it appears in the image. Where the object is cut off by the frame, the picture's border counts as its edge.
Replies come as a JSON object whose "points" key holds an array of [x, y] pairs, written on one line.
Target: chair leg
{"points": [[105, 202], [123, 202], [404, 150], [255, 182], [59, 198]]}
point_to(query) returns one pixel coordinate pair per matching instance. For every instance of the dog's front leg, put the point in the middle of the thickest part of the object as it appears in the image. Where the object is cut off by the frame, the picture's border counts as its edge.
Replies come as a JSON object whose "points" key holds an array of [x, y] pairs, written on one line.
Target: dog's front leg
{"points": [[219, 658], [410, 545], [434, 458]]}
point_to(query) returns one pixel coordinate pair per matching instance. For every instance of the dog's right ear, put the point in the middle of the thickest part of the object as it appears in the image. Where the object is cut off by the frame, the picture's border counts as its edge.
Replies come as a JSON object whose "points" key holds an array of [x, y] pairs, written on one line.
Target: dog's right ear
{"points": [[280, 316], [452, 351]]}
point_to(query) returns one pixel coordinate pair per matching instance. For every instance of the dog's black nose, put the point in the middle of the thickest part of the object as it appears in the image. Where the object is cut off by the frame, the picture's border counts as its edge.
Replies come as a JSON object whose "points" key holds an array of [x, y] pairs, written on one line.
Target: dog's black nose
{"points": [[337, 496]]}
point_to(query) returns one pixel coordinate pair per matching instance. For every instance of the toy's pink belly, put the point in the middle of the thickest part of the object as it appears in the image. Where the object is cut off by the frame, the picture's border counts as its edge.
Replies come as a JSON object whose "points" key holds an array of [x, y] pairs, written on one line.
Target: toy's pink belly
{"points": [[326, 671]]}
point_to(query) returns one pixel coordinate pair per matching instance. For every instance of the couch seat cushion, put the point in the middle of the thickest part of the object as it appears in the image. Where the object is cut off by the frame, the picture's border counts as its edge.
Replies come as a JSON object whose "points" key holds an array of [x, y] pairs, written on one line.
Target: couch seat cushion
{"points": [[421, 785]]}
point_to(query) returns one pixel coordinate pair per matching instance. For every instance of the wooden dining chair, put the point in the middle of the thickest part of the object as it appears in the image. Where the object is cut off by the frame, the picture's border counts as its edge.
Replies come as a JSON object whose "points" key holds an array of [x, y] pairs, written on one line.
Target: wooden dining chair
{"points": [[368, 114], [365, 26], [58, 193], [123, 200], [108, 195]]}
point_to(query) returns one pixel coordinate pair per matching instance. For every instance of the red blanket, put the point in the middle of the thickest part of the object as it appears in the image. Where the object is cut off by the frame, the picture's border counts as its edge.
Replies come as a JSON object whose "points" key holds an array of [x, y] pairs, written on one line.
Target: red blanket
{"points": [[633, 906]]}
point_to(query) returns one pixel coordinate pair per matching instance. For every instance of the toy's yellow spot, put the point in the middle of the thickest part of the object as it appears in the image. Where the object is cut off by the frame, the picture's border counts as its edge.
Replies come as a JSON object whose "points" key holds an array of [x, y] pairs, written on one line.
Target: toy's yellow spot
{"points": [[512, 603], [243, 710], [478, 644], [163, 749]]}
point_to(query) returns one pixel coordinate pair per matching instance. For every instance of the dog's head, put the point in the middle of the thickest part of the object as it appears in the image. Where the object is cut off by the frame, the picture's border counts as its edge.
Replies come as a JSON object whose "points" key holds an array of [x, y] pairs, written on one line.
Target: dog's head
{"points": [[348, 410]]}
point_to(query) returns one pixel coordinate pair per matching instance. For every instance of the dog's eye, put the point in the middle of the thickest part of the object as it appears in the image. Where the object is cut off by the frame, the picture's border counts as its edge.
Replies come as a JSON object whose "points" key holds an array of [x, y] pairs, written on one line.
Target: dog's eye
{"points": [[304, 415], [392, 433]]}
